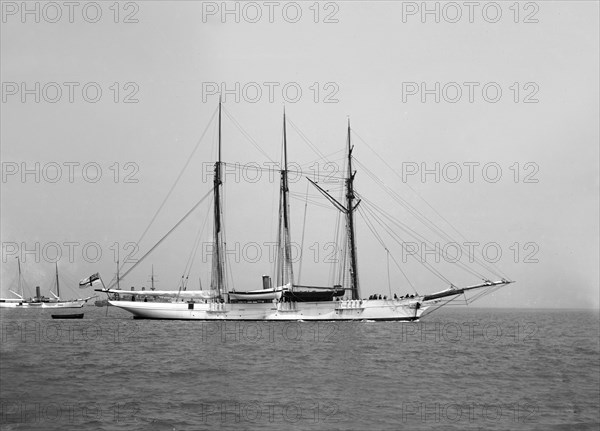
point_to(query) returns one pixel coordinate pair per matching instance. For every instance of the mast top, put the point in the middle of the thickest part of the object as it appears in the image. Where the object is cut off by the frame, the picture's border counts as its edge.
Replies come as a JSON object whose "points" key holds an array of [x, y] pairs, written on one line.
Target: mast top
{"points": [[285, 161], [219, 159]]}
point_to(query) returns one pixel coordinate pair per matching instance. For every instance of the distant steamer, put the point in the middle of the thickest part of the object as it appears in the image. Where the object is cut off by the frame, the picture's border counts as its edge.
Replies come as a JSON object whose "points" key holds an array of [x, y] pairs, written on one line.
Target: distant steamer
{"points": [[40, 301]]}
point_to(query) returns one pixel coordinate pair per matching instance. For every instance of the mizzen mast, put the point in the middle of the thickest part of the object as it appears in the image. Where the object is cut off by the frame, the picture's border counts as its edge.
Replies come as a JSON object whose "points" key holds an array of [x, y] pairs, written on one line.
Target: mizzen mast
{"points": [[218, 264], [350, 208]]}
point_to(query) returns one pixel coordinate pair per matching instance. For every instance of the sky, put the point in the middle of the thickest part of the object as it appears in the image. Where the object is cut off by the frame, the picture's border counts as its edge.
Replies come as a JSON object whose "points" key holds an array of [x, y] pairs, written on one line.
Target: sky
{"points": [[484, 120]]}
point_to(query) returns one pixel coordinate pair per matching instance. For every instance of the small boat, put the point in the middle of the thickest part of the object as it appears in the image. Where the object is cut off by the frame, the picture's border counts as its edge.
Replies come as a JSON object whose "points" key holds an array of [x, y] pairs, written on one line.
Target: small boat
{"points": [[256, 295], [267, 293], [68, 316], [313, 296]]}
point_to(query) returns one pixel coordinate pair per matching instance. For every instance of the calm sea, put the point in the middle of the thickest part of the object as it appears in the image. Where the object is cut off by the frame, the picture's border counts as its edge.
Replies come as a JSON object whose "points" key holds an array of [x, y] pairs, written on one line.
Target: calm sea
{"points": [[457, 369]]}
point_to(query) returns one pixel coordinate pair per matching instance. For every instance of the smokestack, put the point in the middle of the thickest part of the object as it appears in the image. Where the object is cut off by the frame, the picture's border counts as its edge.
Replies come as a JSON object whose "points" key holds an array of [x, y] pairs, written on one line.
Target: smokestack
{"points": [[37, 293], [266, 282]]}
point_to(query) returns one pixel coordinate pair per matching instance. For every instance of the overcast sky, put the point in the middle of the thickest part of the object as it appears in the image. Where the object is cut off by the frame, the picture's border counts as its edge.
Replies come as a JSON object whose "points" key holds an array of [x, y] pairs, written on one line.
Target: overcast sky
{"points": [[500, 103]]}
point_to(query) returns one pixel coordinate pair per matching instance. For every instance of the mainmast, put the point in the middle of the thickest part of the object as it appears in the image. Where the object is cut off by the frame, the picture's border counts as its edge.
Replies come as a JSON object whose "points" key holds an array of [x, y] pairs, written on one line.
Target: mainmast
{"points": [[350, 207], [218, 277], [286, 272]]}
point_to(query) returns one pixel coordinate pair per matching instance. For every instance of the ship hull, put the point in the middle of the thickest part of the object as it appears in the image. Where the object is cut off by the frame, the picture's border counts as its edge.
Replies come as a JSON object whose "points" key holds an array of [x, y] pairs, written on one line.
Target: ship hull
{"points": [[33, 305], [282, 311]]}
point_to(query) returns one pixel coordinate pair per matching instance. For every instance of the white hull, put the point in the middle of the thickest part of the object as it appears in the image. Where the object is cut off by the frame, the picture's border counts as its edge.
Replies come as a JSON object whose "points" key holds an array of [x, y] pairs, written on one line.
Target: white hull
{"points": [[327, 310], [31, 305]]}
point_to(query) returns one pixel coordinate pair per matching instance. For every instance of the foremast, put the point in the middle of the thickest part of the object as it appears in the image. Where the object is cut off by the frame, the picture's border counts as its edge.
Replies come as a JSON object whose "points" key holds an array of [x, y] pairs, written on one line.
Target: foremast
{"points": [[285, 272], [218, 263]]}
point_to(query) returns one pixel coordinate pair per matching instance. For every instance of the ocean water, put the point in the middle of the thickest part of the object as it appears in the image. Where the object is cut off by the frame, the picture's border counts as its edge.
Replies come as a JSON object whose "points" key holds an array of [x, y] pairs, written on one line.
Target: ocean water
{"points": [[457, 369]]}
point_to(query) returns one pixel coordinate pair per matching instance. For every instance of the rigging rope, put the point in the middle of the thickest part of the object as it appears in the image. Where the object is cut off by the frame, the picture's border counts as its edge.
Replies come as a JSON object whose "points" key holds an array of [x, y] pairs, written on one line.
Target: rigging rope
{"points": [[361, 211], [494, 270], [303, 231], [192, 255], [164, 236], [246, 134], [421, 238], [111, 283], [308, 142], [402, 243]]}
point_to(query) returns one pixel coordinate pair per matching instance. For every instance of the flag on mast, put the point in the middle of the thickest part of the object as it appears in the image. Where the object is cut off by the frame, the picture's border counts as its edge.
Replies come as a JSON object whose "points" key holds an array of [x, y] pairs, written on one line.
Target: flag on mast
{"points": [[90, 281]]}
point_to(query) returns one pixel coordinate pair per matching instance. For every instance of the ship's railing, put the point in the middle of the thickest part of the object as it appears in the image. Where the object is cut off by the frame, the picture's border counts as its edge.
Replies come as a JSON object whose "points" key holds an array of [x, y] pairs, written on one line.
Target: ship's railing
{"points": [[216, 307]]}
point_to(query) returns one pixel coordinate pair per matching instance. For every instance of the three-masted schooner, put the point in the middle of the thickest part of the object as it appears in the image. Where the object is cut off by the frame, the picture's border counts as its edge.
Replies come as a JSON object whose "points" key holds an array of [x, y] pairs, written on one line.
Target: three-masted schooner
{"points": [[287, 300]]}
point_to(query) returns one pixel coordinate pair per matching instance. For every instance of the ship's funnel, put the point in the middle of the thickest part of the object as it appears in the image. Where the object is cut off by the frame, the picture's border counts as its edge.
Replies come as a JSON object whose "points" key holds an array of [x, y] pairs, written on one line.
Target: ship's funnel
{"points": [[266, 282], [37, 293]]}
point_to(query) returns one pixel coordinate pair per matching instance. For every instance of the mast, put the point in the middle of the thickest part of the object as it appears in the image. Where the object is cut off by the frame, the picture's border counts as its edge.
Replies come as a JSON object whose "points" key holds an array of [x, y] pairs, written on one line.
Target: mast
{"points": [[350, 207], [20, 283], [218, 279], [287, 273], [118, 278], [57, 286]]}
